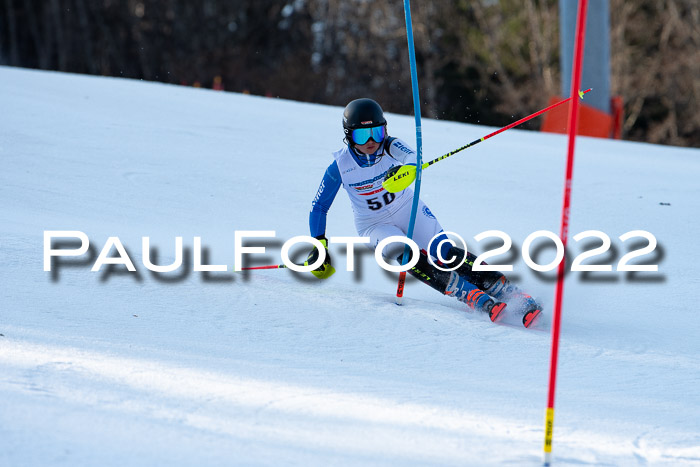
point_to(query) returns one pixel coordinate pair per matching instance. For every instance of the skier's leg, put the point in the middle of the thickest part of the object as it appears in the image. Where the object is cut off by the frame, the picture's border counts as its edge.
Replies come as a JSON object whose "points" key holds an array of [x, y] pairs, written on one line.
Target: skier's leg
{"points": [[448, 283], [452, 284], [379, 232], [498, 286], [487, 281], [427, 228]]}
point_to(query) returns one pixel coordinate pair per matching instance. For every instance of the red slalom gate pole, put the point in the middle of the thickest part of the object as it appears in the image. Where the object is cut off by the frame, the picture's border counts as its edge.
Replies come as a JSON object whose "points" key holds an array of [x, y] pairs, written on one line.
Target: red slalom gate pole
{"points": [[507, 127], [272, 266], [559, 291]]}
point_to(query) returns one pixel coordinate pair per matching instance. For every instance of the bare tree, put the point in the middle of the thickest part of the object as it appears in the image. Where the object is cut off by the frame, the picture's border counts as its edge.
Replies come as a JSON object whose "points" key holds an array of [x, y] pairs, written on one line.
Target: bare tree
{"points": [[483, 61]]}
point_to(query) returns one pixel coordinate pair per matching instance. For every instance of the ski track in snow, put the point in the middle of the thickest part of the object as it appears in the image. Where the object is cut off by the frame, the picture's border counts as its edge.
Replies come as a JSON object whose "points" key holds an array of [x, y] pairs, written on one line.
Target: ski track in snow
{"points": [[269, 368]]}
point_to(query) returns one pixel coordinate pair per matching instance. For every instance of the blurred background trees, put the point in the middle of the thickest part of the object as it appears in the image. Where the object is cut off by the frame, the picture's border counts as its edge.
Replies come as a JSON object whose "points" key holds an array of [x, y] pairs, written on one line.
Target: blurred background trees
{"points": [[488, 61]]}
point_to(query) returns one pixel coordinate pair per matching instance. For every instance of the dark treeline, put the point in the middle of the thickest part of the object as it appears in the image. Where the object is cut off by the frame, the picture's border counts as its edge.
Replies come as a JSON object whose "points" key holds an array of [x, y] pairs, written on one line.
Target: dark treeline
{"points": [[485, 61]]}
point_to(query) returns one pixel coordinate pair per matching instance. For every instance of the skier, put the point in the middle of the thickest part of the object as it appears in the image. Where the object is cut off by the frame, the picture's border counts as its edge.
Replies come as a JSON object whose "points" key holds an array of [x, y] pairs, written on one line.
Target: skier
{"points": [[369, 157]]}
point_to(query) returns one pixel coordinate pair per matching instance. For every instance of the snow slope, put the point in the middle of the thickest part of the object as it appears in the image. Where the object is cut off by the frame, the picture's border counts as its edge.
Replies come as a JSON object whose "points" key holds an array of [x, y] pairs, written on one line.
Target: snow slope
{"points": [[274, 368]]}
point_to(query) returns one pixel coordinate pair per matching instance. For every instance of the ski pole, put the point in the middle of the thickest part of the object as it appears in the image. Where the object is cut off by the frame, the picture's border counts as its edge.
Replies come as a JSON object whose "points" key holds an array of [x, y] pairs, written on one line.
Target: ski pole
{"points": [[272, 266], [405, 176]]}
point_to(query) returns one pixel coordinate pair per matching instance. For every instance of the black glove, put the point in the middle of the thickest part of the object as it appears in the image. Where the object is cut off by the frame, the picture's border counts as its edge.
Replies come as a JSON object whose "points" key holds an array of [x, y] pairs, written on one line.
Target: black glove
{"points": [[390, 173]]}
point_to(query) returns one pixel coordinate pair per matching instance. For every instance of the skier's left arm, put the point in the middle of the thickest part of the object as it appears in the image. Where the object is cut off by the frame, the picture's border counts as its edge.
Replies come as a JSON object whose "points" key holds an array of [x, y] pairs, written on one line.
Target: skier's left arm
{"points": [[402, 153]]}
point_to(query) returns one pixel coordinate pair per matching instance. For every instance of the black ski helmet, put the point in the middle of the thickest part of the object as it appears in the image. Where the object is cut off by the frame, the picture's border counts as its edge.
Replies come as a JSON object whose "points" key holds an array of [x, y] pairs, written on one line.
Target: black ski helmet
{"points": [[361, 113]]}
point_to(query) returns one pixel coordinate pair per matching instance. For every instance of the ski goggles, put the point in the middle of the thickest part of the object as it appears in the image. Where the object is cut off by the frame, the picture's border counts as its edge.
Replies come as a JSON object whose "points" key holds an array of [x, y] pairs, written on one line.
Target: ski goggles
{"points": [[362, 135]]}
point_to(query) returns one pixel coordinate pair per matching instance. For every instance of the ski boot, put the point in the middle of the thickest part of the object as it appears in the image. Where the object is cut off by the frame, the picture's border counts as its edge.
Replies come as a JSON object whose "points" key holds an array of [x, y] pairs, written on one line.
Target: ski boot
{"points": [[497, 286], [476, 299], [524, 304]]}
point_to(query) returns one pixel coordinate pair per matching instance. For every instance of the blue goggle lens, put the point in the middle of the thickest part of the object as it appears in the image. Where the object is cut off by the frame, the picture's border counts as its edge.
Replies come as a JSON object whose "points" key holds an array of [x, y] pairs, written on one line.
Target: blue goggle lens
{"points": [[362, 135]]}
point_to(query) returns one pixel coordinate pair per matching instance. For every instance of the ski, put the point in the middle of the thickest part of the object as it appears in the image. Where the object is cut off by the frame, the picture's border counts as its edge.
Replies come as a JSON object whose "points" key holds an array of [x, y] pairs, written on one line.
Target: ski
{"points": [[496, 311], [530, 317], [528, 308]]}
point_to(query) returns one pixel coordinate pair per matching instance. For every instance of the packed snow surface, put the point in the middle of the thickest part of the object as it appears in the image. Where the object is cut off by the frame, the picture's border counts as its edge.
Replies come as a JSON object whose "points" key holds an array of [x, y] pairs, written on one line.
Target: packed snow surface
{"points": [[273, 367]]}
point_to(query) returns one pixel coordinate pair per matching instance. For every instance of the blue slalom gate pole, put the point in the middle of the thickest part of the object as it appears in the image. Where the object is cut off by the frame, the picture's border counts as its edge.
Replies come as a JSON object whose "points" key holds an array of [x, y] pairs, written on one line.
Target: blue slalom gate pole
{"points": [[419, 145]]}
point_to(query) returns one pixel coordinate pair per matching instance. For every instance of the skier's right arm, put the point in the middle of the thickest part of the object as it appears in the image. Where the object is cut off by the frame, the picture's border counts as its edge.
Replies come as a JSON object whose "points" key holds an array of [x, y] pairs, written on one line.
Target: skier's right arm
{"points": [[317, 218], [324, 199]]}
